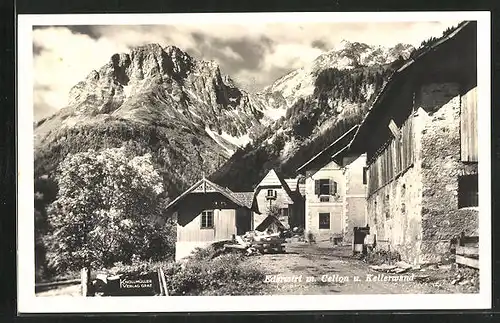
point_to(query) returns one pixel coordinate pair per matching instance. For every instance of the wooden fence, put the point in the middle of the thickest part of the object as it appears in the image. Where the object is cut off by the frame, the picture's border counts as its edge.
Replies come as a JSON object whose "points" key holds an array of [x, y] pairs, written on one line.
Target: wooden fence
{"points": [[393, 158], [467, 252]]}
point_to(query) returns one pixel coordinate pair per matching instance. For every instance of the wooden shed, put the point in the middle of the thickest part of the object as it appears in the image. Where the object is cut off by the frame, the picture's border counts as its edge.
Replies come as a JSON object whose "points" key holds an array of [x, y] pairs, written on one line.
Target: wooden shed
{"points": [[207, 213]]}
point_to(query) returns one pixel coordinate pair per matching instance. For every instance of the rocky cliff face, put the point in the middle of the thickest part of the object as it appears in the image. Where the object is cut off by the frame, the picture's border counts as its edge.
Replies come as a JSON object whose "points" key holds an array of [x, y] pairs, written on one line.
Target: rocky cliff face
{"points": [[163, 86], [192, 118]]}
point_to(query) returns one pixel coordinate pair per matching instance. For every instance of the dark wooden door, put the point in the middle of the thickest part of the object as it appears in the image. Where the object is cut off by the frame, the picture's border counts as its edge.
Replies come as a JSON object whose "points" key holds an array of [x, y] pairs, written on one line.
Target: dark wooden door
{"points": [[243, 221]]}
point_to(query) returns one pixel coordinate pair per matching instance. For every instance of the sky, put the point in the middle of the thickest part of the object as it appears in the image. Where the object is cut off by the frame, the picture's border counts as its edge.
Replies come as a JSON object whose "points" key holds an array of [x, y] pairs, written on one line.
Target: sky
{"points": [[253, 55]]}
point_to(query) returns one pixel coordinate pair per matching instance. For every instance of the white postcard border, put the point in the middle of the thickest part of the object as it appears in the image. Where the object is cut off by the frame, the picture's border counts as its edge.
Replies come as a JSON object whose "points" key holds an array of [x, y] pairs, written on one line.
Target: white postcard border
{"points": [[29, 303]]}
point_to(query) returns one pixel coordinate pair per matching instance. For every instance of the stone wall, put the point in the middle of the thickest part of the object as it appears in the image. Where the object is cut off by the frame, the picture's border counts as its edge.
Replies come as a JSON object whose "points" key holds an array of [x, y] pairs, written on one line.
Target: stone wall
{"points": [[417, 214], [394, 211], [441, 168], [394, 215]]}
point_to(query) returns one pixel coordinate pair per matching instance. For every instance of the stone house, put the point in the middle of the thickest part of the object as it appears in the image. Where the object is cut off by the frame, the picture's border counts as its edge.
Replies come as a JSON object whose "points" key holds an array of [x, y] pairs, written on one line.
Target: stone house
{"points": [[276, 192], [335, 191], [206, 213], [420, 140]]}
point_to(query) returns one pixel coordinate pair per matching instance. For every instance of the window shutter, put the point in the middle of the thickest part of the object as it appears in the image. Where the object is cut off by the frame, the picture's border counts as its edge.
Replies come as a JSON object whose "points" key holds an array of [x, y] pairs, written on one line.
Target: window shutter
{"points": [[316, 187], [333, 187]]}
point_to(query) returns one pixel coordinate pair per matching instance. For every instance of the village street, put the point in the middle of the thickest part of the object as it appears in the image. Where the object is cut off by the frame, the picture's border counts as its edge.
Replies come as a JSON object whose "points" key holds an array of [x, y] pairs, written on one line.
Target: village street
{"points": [[333, 269], [325, 262]]}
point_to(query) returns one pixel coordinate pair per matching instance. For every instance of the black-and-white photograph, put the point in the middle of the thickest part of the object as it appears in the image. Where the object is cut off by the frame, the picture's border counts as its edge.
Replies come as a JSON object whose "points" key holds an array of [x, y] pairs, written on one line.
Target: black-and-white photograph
{"points": [[208, 155]]}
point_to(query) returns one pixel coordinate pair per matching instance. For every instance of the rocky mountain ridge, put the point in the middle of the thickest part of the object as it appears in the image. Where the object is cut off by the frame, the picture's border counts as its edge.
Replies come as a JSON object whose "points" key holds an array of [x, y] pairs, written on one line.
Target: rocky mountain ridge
{"points": [[192, 118], [155, 85], [300, 83]]}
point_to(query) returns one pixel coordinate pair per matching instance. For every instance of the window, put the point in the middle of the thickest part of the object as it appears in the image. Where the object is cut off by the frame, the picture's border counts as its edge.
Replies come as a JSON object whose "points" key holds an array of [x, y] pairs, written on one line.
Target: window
{"points": [[365, 179], [324, 220], [284, 212], [207, 219], [271, 194], [468, 194], [325, 187]]}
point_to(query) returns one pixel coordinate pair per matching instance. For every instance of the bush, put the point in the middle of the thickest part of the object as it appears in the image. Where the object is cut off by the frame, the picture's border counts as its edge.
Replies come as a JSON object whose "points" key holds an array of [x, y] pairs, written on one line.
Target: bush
{"points": [[210, 252], [224, 275]]}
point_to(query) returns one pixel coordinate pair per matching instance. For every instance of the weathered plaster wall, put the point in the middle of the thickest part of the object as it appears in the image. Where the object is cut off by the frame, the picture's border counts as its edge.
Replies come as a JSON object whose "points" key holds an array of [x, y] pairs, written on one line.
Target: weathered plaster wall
{"points": [[335, 206], [355, 197], [394, 211], [441, 167], [417, 214], [394, 215]]}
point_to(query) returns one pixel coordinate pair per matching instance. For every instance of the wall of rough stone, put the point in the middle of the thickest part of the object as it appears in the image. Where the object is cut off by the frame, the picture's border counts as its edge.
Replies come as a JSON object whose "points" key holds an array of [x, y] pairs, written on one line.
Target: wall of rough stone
{"points": [[417, 214], [394, 211], [394, 215], [441, 168]]}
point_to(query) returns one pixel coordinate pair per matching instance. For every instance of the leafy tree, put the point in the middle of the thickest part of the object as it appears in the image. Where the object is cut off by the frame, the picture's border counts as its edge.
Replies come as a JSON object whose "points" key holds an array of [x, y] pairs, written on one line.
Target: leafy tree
{"points": [[45, 193], [108, 208]]}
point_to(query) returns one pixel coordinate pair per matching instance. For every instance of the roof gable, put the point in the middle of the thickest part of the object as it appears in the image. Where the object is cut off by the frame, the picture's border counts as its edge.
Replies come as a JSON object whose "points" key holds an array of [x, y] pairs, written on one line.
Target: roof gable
{"points": [[268, 221], [274, 178], [271, 179], [206, 186]]}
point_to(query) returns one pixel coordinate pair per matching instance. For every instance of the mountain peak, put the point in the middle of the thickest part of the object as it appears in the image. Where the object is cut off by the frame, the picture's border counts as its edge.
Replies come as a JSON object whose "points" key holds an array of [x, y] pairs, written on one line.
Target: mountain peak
{"points": [[346, 55]]}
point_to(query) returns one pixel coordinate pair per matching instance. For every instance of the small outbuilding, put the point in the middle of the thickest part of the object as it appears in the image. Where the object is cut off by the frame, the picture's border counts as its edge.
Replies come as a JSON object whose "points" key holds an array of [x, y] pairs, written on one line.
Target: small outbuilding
{"points": [[207, 213]]}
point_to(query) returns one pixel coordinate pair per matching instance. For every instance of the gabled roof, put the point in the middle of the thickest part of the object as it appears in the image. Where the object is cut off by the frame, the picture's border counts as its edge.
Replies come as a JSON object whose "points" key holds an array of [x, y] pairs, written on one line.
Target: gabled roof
{"points": [[377, 108], [274, 178], [245, 197], [205, 184], [270, 219], [339, 146]]}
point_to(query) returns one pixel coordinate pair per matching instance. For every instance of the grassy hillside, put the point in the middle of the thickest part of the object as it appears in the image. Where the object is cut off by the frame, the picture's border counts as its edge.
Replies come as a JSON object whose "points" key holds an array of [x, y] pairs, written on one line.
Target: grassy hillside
{"points": [[180, 155]]}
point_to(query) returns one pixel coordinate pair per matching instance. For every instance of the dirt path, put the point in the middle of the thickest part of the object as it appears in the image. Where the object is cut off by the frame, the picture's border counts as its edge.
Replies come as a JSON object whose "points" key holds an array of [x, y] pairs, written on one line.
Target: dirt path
{"points": [[333, 271]]}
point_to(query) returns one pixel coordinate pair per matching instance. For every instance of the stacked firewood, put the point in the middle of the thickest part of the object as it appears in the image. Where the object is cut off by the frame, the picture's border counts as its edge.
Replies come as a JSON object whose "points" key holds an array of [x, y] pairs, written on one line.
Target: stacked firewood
{"points": [[256, 242]]}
